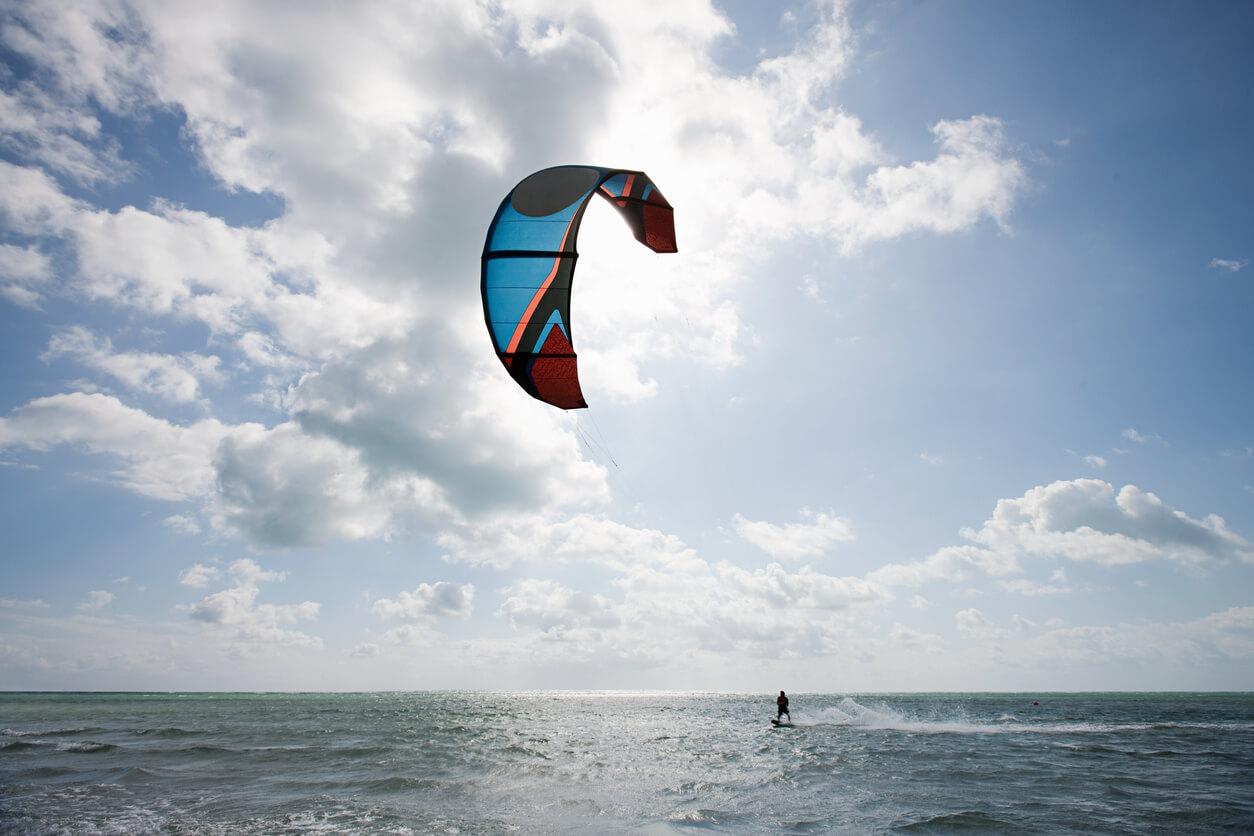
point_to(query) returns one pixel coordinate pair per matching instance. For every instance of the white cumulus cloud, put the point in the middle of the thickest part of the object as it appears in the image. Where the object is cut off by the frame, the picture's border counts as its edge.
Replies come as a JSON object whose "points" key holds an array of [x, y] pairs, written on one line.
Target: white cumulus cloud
{"points": [[1084, 520], [1087, 520], [198, 576], [176, 378], [796, 540], [250, 625], [427, 602]]}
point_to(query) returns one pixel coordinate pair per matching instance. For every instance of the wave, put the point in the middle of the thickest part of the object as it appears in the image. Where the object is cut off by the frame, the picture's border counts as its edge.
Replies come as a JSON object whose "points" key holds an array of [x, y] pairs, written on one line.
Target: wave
{"points": [[18, 746], [45, 732], [14, 746], [85, 746], [167, 732], [965, 820]]}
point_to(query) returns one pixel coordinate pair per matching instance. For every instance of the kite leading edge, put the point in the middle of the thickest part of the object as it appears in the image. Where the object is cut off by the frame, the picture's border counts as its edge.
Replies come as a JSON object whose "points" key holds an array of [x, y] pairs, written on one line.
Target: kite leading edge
{"points": [[529, 258]]}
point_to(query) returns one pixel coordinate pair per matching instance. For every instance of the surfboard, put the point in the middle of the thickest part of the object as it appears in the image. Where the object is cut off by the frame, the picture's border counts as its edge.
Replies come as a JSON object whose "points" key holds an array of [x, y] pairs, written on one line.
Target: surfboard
{"points": [[781, 723]]}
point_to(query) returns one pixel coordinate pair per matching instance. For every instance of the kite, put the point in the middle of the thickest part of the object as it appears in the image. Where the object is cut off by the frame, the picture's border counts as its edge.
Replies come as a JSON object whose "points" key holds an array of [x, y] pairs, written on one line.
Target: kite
{"points": [[529, 259]]}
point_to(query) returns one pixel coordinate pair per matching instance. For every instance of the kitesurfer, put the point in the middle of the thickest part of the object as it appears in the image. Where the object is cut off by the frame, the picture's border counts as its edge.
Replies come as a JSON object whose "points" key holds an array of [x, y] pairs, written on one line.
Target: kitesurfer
{"points": [[782, 703]]}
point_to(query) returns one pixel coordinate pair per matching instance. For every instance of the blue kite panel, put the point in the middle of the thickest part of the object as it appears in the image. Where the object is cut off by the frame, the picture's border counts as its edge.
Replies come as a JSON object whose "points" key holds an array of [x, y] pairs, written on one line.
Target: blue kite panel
{"points": [[509, 286], [515, 231], [616, 184]]}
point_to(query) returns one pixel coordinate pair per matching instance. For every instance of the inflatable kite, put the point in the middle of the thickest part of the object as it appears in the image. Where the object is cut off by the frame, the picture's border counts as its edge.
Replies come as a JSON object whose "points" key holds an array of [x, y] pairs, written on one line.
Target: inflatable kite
{"points": [[529, 261]]}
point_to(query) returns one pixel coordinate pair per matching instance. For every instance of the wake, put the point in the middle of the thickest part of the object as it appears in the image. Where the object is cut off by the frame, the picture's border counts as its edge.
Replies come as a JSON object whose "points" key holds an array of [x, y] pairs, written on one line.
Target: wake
{"points": [[853, 714]]}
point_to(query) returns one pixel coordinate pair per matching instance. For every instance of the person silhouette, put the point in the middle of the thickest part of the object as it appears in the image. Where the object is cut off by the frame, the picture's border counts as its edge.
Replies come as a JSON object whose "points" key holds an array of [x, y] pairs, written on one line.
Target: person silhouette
{"points": [[781, 703]]}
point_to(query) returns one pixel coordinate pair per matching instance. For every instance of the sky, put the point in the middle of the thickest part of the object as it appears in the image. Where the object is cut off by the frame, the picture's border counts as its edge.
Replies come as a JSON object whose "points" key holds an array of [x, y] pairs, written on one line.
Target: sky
{"points": [[948, 387]]}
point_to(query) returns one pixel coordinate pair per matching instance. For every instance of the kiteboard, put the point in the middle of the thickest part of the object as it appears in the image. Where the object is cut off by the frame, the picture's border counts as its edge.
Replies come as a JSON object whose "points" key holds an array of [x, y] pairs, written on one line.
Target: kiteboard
{"points": [[781, 724]]}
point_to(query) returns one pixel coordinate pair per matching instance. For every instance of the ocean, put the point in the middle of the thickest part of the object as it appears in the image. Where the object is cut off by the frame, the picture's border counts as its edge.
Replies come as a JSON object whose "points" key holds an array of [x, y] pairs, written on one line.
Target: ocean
{"points": [[625, 762]]}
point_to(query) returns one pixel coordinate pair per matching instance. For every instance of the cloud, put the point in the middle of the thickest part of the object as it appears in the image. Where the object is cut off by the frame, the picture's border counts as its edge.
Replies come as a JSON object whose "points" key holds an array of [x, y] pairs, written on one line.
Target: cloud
{"points": [[14, 604], [281, 488], [250, 626], [952, 564], [97, 599], [664, 613], [171, 261], [428, 602], [413, 635], [159, 459], [31, 202], [1082, 520], [796, 540], [971, 177], [585, 538], [811, 289], [58, 128], [182, 524], [805, 589], [1222, 637], [554, 608], [175, 378], [1086, 520], [974, 624], [392, 419], [198, 576], [1058, 585], [1143, 438], [24, 270], [469, 433], [1233, 265], [908, 637]]}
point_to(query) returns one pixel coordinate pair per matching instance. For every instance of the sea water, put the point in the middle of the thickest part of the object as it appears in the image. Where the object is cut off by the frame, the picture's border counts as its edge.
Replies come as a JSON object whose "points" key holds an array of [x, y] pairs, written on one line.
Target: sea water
{"points": [[613, 762]]}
